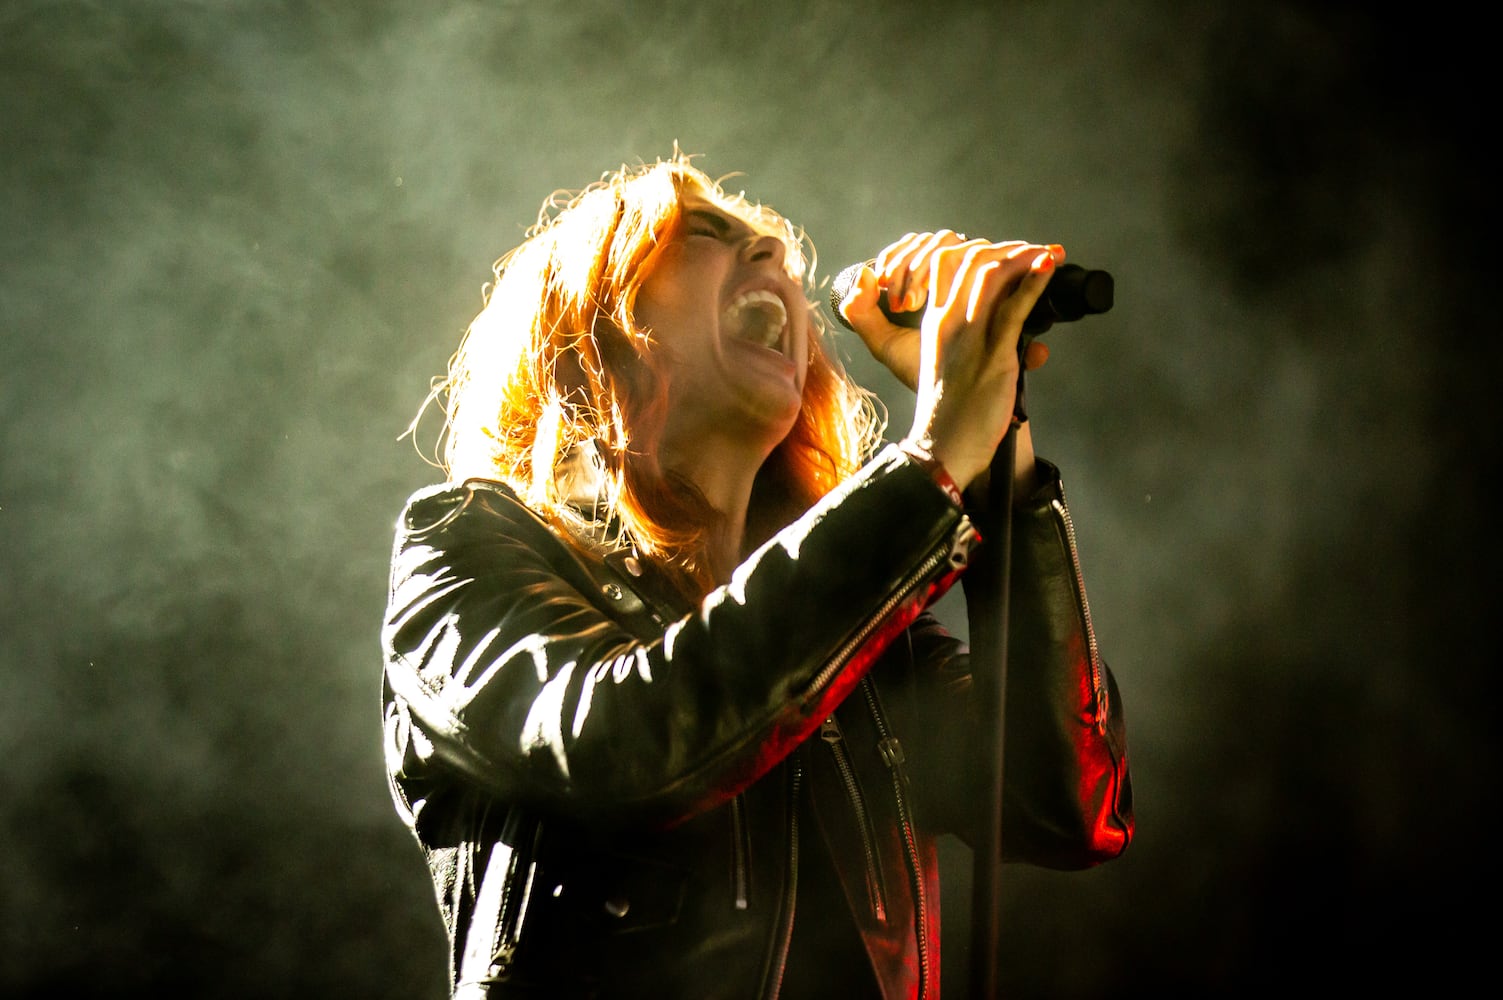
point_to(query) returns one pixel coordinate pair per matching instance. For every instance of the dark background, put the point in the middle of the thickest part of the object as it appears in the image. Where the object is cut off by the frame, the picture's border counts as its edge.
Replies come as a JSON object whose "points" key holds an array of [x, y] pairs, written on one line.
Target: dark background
{"points": [[238, 238]]}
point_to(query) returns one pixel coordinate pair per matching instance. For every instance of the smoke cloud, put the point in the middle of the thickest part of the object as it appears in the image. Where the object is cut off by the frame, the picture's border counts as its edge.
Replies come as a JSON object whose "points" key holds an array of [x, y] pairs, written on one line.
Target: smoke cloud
{"points": [[239, 238]]}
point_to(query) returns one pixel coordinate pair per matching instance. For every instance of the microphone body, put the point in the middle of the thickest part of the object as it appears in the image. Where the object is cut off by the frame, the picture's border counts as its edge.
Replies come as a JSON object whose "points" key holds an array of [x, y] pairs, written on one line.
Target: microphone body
{"points": [[1073, 292]]}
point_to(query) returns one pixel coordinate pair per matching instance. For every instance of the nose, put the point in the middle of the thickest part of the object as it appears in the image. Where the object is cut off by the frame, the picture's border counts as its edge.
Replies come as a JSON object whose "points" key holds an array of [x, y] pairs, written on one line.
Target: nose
{"points": [[762, 247]]}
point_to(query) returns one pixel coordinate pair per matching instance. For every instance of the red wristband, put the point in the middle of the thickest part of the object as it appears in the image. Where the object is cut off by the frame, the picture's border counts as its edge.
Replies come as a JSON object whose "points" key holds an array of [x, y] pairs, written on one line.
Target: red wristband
{"points": [[936, 469]]}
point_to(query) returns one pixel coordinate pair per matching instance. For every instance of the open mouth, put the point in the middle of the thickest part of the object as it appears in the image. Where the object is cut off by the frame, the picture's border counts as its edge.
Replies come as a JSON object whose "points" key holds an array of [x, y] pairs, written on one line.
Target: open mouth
{"points": [[757, 316]]}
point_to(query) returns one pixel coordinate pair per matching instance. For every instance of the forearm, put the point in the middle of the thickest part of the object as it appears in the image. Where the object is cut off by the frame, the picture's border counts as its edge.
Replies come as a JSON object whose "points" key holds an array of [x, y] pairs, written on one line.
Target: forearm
{"points": [[1067, 797]]}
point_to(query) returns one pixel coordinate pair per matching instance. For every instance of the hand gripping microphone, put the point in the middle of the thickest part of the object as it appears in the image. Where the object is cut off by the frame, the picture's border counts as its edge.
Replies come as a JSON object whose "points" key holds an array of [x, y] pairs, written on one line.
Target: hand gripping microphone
{"points": [[1073, 292]]}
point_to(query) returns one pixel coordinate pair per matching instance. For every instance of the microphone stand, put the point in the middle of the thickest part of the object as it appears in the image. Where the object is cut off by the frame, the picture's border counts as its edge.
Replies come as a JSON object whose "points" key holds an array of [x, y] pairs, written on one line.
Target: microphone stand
{"points": [[1080, 292], [1073, 292], [989, 677]]}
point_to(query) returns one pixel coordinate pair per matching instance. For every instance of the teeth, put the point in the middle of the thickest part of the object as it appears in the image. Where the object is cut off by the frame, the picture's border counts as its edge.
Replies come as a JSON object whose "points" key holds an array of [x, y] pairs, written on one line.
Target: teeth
{"points": [[758, 316]]}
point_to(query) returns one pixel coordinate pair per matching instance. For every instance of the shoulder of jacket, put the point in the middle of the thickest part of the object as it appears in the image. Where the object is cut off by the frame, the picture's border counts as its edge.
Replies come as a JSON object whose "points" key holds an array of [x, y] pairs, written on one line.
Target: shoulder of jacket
{"points": [[454, 514], [439, 506]]}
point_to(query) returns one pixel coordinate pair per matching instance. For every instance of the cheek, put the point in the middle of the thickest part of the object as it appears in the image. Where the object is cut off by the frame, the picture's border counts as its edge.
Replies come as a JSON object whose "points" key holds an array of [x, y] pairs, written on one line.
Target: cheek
{"points": [[650, 296], [666, 295], [659, 286]]}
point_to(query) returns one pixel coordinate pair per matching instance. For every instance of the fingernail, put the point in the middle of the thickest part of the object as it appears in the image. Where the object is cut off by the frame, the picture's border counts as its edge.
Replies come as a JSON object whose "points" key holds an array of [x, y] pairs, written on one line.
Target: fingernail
{"points": [[1058, 251], [1043, 262]]}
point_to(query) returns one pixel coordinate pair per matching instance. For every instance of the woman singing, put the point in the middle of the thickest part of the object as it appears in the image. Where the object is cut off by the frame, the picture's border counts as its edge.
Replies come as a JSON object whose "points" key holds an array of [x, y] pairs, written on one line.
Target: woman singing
{"points": [[663, 707]]}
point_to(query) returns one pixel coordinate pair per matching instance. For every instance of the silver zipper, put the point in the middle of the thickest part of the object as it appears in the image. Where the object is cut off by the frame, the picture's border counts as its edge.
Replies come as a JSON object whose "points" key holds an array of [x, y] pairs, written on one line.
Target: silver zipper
{"points": [[829, 731], [892, 755], [779, 962], [955, 552], [739, 852], [1103, 706]]}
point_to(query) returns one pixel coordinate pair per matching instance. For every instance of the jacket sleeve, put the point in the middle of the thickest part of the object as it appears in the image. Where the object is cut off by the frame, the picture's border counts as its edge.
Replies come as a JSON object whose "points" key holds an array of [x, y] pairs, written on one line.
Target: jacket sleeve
{"points": [[1067, 790], [507, 670]]}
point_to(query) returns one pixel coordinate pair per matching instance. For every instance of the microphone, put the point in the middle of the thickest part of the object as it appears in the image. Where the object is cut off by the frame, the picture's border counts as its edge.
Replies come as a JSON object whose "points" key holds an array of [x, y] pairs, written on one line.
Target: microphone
{"points": [[1073, 292]]}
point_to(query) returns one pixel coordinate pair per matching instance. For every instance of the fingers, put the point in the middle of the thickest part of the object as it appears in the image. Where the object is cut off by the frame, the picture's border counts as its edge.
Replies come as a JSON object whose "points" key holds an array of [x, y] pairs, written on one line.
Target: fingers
{"points": [[895, 347], [995, 284], [911, 267], [861, 300], [903, 269], [966, 282], [968, 266], [1012, 308], [972, 347], [1035, 354]]}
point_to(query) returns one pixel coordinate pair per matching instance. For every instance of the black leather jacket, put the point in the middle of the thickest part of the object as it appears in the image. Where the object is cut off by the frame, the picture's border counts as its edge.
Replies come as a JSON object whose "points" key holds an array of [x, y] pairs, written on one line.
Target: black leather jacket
{"points": [[612, 788]]}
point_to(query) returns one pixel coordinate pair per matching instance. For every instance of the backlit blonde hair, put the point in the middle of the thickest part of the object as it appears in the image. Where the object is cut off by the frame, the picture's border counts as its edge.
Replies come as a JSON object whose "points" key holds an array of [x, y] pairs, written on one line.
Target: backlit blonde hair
{"points": [[554, 368]]}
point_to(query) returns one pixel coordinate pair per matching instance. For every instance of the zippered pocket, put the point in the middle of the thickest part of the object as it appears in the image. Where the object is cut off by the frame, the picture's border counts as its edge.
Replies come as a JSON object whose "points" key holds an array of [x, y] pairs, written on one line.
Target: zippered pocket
{"points": [[893, 755], [834, 738]]}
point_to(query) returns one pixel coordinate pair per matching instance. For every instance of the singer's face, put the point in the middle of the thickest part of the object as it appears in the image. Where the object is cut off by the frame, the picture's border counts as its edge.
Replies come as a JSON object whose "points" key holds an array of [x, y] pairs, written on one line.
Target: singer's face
{"points": [[731, 325]]}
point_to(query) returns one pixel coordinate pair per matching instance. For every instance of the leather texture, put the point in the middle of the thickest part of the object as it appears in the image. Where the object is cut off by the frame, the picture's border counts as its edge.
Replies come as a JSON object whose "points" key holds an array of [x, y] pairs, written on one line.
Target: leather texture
{"points": [[611, 787]]}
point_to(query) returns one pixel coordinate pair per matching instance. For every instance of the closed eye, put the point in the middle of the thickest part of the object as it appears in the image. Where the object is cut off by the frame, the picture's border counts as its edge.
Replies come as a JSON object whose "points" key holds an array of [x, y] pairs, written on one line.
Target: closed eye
{"points": [[701, 222]]}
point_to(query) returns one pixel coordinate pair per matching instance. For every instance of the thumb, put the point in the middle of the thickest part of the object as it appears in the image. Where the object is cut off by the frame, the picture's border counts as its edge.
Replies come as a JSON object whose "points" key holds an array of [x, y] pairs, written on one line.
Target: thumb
{"points": [[861, 304]]}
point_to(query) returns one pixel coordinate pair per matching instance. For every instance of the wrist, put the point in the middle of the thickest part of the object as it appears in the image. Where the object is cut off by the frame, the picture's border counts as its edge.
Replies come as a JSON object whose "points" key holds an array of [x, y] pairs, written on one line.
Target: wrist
{"points": [[922, 454]]}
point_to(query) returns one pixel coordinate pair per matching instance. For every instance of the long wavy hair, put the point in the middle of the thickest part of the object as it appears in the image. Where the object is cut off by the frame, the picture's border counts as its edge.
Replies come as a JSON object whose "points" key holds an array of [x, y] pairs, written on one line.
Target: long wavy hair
{"points": [[555, 384]]}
